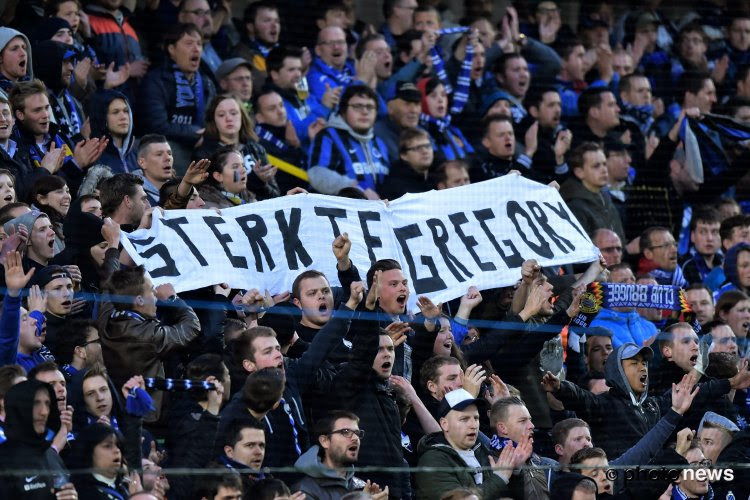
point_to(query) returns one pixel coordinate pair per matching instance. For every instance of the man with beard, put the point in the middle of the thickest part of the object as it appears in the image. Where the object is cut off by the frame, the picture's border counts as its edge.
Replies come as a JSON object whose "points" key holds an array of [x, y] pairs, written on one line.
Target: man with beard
{"points": [[124, 200], [262, 30], [327, 465], [552, 139]]}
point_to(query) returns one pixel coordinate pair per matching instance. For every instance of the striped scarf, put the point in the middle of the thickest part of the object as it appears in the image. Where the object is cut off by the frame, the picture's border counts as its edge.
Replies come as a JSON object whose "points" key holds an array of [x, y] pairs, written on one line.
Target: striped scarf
{"points": [[463, 82], [430, 122], [267, 135]]}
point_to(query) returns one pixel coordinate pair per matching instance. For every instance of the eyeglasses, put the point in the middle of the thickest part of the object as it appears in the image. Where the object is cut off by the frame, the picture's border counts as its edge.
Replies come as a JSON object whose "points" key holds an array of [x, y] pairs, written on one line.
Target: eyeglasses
{"points": [[332, 43], [198, 12], [664, 245], [611, 249], [419, 147], [348, 433], [369, 108], [95, 341], [703, 463]]}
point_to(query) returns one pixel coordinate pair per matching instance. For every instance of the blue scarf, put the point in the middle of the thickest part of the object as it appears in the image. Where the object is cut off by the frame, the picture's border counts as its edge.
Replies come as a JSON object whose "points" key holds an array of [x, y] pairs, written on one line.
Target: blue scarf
{"points": [[642, 115], [344, 76], [675, 278], [263, 49], [267, 135], [189, 95], [463, 82], [441, 124]]}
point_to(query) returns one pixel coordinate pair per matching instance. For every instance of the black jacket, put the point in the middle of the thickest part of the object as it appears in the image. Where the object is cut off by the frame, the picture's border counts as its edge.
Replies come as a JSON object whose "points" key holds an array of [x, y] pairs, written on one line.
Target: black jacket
{"points": [[403, 179], [361, 391], [118, 160], [20, 166], [190, 438], [89, 487], [163, 113], [303, 375], [27, 450]]}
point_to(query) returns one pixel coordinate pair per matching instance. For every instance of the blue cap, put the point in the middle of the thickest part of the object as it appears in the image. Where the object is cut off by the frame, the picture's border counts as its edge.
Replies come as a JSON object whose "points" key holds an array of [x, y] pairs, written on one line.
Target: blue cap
{"points": [[489, 99], [718, 420]]}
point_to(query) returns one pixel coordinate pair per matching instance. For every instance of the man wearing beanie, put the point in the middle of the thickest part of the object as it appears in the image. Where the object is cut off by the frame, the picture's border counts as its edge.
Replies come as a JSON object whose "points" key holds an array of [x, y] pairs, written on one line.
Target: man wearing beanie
{"points": [[15, 58], [57, 285]]}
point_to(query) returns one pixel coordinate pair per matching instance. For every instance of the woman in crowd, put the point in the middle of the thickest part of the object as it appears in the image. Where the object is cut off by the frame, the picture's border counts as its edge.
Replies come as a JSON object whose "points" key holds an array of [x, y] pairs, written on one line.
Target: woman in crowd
{"points": [[449, 141], [228, 124], [50, 194], [99, 446], [226, 185]]}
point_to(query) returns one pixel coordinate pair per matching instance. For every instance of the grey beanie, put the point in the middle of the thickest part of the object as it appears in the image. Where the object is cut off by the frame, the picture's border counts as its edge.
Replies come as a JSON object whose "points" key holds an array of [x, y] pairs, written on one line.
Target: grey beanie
{"points": [[8, 34], [28, 219]]}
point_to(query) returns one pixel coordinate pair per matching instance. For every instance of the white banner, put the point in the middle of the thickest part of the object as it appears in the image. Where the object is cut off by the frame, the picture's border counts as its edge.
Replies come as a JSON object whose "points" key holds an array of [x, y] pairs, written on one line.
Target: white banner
{"points": [[445, 240]]}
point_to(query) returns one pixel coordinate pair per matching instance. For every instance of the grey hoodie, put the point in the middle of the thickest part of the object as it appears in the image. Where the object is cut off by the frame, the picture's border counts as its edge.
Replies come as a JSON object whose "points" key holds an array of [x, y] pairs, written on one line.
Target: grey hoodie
{"points": [[8, 34], [320, 481]]}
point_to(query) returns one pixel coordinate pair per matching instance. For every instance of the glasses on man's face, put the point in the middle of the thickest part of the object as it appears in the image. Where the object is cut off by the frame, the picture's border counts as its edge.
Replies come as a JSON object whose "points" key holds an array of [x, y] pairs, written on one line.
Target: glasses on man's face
{"points": [[333, 43], [703, 463], [348, 433], [419, 147], [669, 244], [368, 108], [93, 341]]}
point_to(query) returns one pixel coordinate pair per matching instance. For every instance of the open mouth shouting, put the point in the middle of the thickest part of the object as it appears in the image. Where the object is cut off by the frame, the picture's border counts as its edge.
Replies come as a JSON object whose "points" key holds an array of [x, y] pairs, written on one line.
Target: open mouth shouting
{"points": [[401, 300], [694, 359], [643, 380]]}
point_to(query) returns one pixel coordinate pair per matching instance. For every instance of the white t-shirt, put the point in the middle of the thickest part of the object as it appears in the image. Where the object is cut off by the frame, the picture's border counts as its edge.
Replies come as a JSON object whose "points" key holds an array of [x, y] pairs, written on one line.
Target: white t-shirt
{"points": [[471, 461]]}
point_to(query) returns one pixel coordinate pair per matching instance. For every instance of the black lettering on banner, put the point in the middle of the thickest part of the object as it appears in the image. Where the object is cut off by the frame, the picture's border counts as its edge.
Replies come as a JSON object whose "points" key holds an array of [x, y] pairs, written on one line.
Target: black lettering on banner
{"points": [[541, 218], [370, 240], [441, 242], [255, 236], [332, 214], [469, 241], [563, 214], [235, 260], [421, 285], [514, 210], [174, 225], [290, 235], [169, 268], [514, 260]]}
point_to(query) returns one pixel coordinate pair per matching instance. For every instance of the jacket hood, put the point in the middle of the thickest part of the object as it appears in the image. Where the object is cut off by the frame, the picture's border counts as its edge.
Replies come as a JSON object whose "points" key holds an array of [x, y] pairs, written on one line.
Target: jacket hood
{"points": [[94, 176], [337, 121], [310, 464], [19, 407], [82, 230], [614, 375], [730, 264], [48, 60], [81, 416], [8, 34], [47, 28], [565, 485], [97, 112], [436, 440]]}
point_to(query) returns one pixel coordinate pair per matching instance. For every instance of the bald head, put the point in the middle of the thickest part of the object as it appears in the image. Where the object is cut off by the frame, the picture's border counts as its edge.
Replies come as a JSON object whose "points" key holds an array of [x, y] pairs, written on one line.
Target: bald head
{"points": [[331, 46], [609, 244]]}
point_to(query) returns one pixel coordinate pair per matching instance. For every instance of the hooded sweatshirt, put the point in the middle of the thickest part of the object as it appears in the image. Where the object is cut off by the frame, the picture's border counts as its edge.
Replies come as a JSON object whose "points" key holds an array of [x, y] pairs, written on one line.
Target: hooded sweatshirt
{"points": [[6, 35], [67, 111], [29, 450], [322, 482], [730, 269], [618, 418], [341, 157], [593, 210], [119, 160], [625, 326]]}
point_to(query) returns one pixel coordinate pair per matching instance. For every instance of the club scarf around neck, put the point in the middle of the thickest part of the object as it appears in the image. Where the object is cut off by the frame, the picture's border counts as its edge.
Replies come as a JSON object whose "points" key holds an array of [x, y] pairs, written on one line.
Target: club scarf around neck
{"points": [[190, 94]]}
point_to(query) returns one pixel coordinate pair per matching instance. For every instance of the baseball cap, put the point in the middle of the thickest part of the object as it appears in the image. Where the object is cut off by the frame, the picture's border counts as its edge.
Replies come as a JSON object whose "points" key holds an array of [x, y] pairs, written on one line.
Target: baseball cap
{"points": [[230, 65], [48, 273], [407, 91], [646, 19], [631, 350], [718, 420], [458, 400]]}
